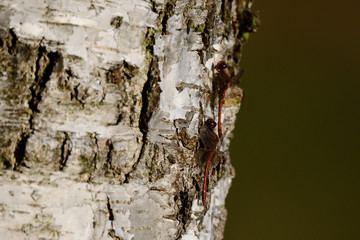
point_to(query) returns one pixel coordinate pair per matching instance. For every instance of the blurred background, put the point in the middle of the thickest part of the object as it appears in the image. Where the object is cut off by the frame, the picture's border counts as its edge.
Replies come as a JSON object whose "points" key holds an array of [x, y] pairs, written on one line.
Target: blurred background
{"points": [[296, 149]]}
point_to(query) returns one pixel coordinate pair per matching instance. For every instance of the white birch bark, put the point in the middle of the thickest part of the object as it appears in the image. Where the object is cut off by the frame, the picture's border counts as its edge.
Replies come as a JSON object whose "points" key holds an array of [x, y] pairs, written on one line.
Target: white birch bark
{"points": [[100, 109]]}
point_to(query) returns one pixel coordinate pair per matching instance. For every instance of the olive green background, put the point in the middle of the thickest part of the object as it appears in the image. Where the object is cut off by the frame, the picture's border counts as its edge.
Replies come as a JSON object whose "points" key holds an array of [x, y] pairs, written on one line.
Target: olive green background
{"points": [[296, 149]]}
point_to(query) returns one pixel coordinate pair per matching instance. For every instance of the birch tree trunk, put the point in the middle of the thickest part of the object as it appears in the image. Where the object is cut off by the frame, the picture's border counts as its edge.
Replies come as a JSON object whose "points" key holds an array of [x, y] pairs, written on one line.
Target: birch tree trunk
{"points": [[101, 104]]}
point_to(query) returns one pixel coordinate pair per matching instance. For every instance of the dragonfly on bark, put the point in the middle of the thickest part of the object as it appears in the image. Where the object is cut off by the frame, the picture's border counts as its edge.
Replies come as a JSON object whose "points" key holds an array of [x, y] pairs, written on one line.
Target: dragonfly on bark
{"points": [[210, 141]]}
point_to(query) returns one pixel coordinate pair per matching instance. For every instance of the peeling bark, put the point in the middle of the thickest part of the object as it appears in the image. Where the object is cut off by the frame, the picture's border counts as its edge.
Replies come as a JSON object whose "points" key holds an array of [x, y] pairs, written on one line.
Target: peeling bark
{"points": [[101, 106]]}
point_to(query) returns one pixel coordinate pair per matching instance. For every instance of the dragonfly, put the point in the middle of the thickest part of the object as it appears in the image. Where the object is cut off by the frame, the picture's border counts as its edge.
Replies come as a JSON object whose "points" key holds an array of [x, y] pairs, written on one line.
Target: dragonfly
{"points": [[222, 82], [208, 137], [210, 141]]}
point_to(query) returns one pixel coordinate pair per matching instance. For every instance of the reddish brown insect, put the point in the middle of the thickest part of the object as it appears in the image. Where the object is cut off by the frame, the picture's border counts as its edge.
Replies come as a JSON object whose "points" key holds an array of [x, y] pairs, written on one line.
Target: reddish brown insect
{"points": [[222, 79], [210, 141]]}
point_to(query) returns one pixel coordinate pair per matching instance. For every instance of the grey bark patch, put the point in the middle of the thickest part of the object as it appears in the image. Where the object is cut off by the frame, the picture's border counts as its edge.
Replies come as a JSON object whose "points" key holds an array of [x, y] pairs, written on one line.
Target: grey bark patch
{"points": [[187, 141], [184, 123]]}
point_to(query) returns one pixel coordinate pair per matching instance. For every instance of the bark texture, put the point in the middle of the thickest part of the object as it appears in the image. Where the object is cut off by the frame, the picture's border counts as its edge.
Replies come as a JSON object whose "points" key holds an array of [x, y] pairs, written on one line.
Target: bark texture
{"points": [[101, 104]]}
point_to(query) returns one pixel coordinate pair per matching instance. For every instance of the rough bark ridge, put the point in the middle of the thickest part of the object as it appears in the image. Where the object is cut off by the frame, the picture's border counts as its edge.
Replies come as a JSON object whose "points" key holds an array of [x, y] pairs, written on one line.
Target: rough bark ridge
{"points": [[101, 104]]}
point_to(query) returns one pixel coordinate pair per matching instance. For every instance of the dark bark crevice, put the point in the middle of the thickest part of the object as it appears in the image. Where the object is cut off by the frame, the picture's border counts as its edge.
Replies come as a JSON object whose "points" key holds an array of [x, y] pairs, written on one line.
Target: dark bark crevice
{"points": [[95, 141], [151, 89], [74, 95], [11, 41], [153, 6], [150, 93], [169, 10], [111, 218], [88, 161], [116, 21], [66, 148], [184, 201], [109, 154], [20, 148], [150, 96], [29, 69], [209, 23], [110, 211], [45, 64], [226, 17]]}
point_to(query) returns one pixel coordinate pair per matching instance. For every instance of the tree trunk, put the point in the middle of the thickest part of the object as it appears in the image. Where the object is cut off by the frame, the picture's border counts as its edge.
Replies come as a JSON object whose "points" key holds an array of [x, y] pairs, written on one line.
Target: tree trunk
{"points": [[101, 106]]}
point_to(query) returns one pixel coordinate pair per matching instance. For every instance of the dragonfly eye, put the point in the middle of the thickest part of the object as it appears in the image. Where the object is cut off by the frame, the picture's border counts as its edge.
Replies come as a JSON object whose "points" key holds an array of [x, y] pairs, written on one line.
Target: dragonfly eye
{"points": [[210, 123]]}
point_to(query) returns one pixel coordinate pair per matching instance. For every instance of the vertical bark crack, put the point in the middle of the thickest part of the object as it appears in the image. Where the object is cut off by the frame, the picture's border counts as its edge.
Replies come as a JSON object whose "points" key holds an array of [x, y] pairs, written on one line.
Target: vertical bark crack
{"points": [[19, 152], [89, 161], [169, 10], [183, 215], [74, 95], [111, 218], [225, 15], [122, 75], [150, 93], [109, 153], [209, 23], [110, 211], [153, 6], [11, 42], [66, 148], [96, 150], [150, 96], [44, 67]]}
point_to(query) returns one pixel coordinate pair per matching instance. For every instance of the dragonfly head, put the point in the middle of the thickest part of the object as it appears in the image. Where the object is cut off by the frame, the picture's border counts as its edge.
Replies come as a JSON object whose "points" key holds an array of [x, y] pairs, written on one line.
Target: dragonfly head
{"points": [[220, 66], [210, 123]]}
